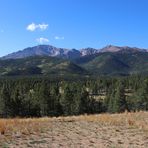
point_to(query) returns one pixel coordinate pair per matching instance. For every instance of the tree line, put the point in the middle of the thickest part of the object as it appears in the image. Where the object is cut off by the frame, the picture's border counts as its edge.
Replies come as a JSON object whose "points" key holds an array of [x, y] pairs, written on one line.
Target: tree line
{"points": [[36, 97]]}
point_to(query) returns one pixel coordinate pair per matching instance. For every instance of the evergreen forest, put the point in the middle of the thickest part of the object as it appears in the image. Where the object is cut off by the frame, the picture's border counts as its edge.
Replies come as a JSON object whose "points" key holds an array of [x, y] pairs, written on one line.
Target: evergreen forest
{"points": [[53, 96]]}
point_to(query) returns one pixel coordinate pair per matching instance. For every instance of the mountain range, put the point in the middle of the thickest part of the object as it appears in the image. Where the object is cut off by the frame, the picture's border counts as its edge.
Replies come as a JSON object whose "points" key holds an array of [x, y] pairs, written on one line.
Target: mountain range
{"points": [[46, 59], [48, 50]]}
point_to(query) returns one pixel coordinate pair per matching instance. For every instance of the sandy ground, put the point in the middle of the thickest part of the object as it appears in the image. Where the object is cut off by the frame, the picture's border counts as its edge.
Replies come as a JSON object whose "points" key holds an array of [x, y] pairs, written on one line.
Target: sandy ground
{"points": [[78, 134]]}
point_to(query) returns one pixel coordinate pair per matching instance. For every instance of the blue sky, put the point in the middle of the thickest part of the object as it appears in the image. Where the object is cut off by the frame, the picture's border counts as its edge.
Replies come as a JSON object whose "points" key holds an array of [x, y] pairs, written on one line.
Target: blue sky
{"points": [[72, 23]]}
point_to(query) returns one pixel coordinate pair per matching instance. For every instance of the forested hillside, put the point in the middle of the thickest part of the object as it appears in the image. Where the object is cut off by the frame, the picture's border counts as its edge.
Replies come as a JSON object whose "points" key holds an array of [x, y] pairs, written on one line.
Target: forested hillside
{"points": [[39, 65]]}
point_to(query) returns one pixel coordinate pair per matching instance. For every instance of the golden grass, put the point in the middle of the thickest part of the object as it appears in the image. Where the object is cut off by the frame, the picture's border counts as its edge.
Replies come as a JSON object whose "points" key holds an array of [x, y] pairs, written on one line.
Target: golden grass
{"points": [[36, 125], [24, 126], [134, 119]]}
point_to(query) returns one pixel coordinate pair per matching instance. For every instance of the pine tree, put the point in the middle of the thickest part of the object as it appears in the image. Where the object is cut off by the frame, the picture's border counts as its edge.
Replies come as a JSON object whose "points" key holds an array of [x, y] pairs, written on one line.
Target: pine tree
{"points": [[119, 103], [43, 96], [5, 101], [141, 97], [111, 99]]}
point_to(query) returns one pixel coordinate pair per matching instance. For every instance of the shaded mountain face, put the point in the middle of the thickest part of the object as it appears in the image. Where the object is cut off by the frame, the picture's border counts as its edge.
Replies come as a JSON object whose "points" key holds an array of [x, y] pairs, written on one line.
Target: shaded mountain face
{"points": [[48, 50], [115, 63]]}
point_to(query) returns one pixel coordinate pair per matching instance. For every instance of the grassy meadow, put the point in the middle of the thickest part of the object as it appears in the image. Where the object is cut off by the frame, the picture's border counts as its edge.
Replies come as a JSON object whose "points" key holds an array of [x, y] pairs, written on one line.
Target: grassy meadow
{"points": [[100, 130]]}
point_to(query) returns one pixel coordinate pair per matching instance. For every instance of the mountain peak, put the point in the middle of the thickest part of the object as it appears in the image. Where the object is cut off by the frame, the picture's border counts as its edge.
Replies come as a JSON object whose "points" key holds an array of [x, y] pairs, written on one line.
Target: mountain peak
{"points": [[124, 49]]}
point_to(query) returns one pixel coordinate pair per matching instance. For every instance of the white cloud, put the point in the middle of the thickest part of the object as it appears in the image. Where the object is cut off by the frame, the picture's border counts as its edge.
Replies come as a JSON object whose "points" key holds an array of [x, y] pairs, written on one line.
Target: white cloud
{"points": [[59, 37], [42, 40], [43, 26], [33, 27]]}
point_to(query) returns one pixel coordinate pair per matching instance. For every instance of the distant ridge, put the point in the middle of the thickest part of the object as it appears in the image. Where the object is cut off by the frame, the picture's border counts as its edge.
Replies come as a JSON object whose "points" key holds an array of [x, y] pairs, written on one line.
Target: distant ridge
{"points": [[48, 50]]}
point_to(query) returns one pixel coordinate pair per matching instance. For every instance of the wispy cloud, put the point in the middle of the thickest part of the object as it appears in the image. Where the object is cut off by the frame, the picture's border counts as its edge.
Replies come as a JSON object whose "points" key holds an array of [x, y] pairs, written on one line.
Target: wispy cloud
{"points": [[59, 37], [42, 40], [33, 27]]}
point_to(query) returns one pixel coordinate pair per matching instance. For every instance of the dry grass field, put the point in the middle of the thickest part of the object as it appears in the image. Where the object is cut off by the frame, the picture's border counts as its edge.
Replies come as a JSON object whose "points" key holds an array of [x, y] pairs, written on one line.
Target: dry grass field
{"points": [[126, 130]]}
